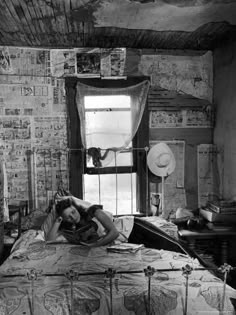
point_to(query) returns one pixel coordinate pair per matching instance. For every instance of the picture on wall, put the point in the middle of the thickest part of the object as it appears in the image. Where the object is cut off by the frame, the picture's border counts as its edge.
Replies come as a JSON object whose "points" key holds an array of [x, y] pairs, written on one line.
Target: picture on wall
{"points": [[88, 64]]}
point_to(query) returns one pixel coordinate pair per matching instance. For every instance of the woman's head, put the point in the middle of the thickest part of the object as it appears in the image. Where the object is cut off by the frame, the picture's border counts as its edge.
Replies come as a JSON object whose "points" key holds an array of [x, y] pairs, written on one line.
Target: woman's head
{"points": [[69, 211]]}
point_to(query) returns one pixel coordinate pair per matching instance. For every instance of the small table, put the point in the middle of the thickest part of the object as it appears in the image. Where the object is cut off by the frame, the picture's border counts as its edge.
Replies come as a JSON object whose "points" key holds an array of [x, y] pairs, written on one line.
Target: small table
{"points": [[222, 236], [16, 212]]}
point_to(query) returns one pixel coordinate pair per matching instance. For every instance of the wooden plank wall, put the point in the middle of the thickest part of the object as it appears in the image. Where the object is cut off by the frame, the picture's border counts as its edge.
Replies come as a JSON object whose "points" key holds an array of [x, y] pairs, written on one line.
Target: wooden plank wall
{"points": [[161, 99]]}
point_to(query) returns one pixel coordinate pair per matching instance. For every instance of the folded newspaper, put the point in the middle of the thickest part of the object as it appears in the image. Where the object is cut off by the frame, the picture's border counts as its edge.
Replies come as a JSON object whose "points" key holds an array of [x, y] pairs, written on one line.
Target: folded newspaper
{"points": [[125, 248]]}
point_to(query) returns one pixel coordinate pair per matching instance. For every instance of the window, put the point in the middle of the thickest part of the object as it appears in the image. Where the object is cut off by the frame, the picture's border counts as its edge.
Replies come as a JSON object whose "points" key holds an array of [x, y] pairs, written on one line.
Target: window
{"points": [[105, 116], [120, 184]]}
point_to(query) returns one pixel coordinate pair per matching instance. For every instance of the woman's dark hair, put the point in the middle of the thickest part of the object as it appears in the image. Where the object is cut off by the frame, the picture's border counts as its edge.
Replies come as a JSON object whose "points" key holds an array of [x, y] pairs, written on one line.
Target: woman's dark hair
{"points": [[66, 203]]}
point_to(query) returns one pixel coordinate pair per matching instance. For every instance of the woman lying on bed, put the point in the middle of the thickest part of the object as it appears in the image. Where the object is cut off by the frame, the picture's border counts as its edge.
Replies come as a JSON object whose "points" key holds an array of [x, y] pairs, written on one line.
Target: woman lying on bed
{"points": [[90, 226]]}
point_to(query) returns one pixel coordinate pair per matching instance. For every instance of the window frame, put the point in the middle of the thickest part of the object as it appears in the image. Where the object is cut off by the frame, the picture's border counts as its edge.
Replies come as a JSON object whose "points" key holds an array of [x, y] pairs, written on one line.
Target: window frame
{"points": [[77, 155]]}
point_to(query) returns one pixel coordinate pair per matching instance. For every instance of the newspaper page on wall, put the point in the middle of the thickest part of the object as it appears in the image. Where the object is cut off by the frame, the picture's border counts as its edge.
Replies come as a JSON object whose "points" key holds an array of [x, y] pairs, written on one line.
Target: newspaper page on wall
{"points": [[181, 119], [208, 187], [80, 62], [63, 62], [33, 122], [113, 63], [175, 196], [33, 62]]}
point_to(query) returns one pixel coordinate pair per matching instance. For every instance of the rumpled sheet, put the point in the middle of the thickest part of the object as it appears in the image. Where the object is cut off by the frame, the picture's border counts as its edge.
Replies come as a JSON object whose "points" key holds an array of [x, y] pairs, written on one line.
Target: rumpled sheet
{"points": [[52, 294], [165, 226]]}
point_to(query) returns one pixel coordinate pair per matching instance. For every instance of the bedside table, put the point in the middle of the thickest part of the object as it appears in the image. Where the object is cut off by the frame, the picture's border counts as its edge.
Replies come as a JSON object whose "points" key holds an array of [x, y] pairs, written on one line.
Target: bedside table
{"points": [[222, 237], [16, 212], [7, 246]]}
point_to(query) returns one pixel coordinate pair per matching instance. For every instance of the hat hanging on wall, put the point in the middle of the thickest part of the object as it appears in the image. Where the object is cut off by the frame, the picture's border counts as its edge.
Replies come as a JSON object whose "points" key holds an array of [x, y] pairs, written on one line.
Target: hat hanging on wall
{"points": [[161, 160]]}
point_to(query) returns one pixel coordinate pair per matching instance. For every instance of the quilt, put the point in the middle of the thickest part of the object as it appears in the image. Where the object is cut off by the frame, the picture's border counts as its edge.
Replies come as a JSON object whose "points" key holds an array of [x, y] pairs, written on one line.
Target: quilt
{"points": [[42, 278]]}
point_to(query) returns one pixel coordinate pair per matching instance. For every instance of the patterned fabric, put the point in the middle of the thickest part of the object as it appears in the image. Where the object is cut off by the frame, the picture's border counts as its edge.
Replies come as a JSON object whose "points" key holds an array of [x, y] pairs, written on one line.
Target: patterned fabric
{"points": [[48, 222], [168, 227], [92, 292], [124, 226], [34, 220]]}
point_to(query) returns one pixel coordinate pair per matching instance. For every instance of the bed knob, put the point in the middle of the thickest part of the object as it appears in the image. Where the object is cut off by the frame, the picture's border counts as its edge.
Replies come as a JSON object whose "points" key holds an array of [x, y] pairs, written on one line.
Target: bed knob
{"points": [[149, 271], [187, 270]]}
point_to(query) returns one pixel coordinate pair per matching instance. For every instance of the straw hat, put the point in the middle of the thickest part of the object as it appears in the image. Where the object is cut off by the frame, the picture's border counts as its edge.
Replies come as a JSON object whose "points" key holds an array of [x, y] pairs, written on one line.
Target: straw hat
{"points": [[161, 160]]}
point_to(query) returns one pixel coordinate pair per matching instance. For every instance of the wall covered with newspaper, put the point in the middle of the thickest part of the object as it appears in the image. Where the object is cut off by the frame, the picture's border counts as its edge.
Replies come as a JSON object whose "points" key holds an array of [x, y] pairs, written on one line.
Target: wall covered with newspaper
{"points": [[33, 116]]}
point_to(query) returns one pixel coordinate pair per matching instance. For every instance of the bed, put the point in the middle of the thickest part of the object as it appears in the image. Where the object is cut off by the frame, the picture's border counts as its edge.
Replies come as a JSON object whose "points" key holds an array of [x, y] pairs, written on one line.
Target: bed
{"points": [[153, 274]]}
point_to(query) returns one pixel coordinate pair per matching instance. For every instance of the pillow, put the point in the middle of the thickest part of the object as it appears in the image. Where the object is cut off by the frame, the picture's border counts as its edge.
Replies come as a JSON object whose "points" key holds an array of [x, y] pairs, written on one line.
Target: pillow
{"points": [[124, 226], [33, 220], [49, 220], [26, 238]]}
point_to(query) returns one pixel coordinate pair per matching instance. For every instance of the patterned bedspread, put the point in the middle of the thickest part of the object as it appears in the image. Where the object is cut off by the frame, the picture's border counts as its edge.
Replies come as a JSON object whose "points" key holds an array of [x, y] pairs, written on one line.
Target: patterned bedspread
{"points": [[51, 294], [165, 226]]}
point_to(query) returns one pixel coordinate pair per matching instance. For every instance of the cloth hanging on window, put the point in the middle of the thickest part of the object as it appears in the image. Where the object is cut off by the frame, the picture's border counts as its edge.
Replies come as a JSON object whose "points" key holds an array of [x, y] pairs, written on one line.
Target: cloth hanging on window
{"points": [[104, 141]]}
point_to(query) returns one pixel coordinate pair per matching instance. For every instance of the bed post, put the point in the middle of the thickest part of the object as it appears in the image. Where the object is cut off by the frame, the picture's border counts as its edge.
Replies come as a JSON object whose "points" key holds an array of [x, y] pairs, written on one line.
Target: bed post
{"points": [[71, 275], [225, 269], [187, 270], [149, 272], [32, 276], [110, 274]]}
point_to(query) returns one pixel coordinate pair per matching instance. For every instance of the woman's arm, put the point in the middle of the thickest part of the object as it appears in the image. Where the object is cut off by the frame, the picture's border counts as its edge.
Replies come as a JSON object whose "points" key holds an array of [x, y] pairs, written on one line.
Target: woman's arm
{"points": [[76, 201], [109, 226], [53, 232], [80, 202]]}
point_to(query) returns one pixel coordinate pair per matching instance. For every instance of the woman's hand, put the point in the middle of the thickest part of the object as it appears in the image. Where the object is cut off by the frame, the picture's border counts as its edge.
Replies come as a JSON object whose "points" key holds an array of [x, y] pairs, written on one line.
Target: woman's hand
{"points": [[59, 198]]}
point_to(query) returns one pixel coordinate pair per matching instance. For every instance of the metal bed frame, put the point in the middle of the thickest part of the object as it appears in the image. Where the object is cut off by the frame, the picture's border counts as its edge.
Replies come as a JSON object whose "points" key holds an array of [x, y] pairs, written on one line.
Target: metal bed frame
{"points": [[110, 277]]}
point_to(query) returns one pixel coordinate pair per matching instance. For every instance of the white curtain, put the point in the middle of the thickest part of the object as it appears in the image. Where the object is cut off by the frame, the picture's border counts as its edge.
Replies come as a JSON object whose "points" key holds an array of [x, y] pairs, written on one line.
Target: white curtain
{"points": [[99, 138]]}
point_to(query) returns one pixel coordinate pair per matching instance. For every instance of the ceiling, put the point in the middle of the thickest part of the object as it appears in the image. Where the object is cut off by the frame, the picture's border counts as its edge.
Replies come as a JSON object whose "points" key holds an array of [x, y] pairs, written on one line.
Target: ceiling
{"points": [[140, 24]]}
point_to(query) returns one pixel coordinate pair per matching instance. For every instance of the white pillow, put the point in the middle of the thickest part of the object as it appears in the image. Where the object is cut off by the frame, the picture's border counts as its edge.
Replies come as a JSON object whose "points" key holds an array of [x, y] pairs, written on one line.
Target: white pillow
{"points": [[49, 221], [124, 226]]}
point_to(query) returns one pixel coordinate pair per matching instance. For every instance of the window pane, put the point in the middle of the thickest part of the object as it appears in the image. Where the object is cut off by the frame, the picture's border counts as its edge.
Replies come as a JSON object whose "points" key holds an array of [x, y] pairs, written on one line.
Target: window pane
{"points": [[118, 201], [120, 159], [107, 101], [107, 129]]}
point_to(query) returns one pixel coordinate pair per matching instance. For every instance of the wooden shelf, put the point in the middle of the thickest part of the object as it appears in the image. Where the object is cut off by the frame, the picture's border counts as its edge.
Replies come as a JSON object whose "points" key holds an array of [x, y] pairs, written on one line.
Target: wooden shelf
{"points": [[200, 242]]}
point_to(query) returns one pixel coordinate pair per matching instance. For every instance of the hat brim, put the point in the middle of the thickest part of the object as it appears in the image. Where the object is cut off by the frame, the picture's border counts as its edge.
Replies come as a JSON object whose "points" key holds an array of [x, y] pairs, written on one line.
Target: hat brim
{"points": [[152, 156]]}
